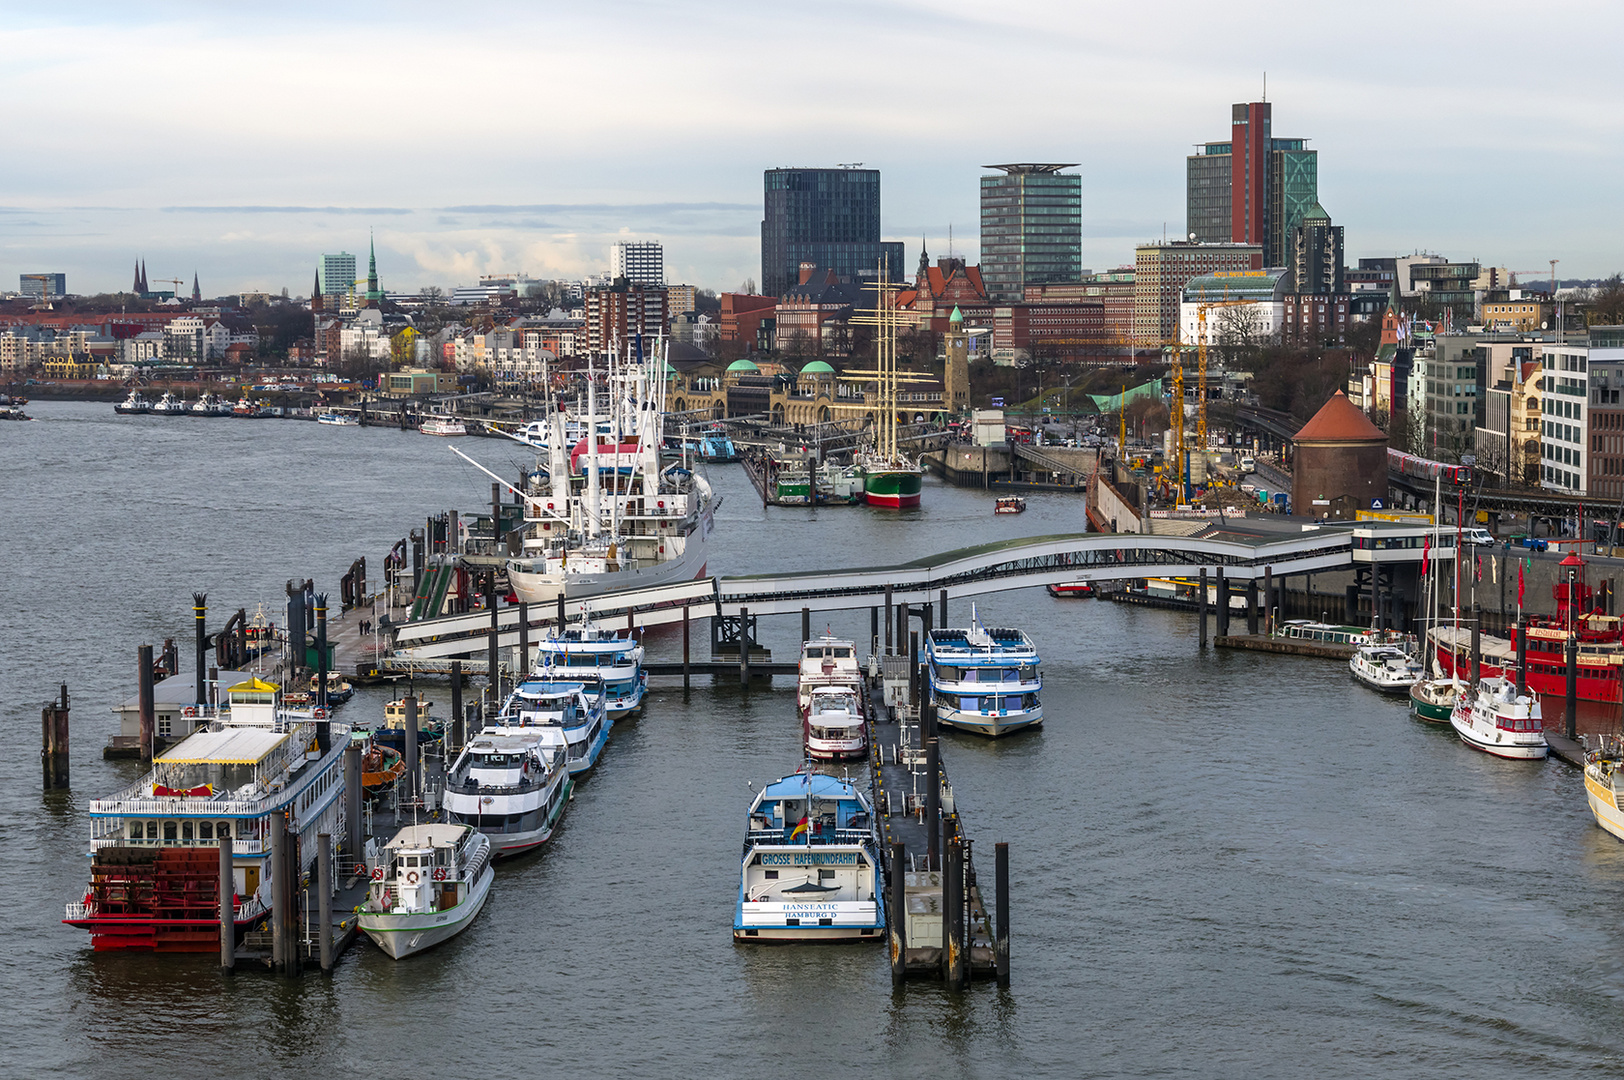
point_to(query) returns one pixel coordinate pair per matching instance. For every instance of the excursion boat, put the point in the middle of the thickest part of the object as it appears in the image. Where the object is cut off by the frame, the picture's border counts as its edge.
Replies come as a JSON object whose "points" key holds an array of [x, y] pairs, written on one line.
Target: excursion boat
{"points": [[1078, 589], [1433, 700], [154, 846], [1332, 634], [338, 420], [428, 883], [1603, 788], [134, 405], [1498, 720], [716, 446], [985, 681], [833, 725], [443, 425], [828, 661], [512, 784], [603, 515], [570, 718], [1010, 504], [1387, 668], [596, 655], [811, 869]]}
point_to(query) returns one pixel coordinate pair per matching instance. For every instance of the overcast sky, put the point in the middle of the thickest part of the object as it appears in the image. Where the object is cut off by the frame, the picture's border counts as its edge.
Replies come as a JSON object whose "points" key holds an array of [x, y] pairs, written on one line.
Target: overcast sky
{"points": [[240, 142]]}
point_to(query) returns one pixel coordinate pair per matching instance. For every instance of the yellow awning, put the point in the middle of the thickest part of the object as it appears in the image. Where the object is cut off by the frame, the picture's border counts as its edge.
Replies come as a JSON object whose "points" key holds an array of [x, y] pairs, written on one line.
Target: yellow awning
{"points": [[255, 685]]}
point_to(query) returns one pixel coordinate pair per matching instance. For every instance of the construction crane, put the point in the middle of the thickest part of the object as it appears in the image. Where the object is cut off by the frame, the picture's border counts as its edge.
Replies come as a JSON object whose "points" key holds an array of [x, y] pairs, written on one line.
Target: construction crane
{"points": [[45, 281], [1201, 365], [175, 281]]}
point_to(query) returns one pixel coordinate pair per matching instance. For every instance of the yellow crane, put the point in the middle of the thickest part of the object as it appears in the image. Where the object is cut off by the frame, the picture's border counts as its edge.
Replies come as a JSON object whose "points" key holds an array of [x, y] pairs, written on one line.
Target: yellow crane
{"points": [[1201, 367]]}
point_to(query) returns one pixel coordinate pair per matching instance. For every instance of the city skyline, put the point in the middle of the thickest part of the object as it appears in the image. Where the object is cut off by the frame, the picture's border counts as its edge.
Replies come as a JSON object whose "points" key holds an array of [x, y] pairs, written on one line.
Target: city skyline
{"points": [[300, 149]]}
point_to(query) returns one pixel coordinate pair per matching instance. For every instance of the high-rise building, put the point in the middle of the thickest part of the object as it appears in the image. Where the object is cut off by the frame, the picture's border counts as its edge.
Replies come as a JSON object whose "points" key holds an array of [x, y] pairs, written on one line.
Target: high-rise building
{"points": [[828, 217], [43, 286], [1316, 254], [1031, 228], [337, 276], [640, 262], [1161, 272], [1252, 189], [617, 313]]}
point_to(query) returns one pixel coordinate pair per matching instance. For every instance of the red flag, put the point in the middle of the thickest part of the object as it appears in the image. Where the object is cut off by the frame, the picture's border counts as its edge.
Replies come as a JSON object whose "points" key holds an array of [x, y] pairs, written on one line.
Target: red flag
{"points": [[1426, 548], [1519, 582]]}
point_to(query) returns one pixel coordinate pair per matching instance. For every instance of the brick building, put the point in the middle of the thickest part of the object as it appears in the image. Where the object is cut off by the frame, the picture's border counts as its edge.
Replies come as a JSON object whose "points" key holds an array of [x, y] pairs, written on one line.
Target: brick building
{"points": [[1162, 270], [616, 313]]}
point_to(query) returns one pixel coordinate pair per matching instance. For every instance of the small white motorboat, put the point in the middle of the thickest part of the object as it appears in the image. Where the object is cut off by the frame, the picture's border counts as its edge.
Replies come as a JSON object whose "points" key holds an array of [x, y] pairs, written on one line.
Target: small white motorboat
{"points": [[1387, 668], [428, 883], [1497, 719]]}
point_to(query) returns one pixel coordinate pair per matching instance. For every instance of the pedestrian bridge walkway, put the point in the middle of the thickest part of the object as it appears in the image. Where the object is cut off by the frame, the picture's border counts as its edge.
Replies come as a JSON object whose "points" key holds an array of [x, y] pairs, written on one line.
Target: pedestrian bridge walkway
{"points": [[1028, 562]]}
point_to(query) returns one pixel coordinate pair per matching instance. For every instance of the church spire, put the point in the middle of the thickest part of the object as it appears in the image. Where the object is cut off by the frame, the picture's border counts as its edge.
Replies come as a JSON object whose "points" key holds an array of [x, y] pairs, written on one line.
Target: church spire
{"points": [[315, 293], [373, 295], [144, 287], [197, 293], [136, 286]]}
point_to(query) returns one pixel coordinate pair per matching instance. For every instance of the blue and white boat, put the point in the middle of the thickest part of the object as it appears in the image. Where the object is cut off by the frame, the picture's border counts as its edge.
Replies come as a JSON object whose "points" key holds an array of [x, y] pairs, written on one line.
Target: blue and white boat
{"points": [[594, 656], [568, 717], [985, 681], [716, 446], [811, 869], [512, 784]]}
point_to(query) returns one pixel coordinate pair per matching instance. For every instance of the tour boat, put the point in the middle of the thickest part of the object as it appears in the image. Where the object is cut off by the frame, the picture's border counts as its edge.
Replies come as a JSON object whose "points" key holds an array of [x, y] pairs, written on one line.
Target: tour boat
{"points": [[134, 405], [1603, 785], [155, 846], [715, 446], [1010, 504], [1079, 589], [1498, 720], [828, 661], [338, 420], [443, 425], [833, 725], [811, 868], [428, 884], [1433, 700], [571, 718], [985, 681], [511, 783], [1387, 668], [596, 654]]}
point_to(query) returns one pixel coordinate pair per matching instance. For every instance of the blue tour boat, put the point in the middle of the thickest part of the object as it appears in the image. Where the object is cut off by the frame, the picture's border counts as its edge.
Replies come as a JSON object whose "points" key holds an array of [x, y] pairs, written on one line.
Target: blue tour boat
{"points": [[605, 660], [811, 869], [568, 717], [985, 681]]}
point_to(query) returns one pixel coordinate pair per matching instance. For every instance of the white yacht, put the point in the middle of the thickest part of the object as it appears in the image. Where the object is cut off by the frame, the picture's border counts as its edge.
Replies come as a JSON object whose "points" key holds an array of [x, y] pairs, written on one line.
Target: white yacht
{"points": [[828, 661], [833, 725], [985, 681], [1495, 718], [512, 784], [608, 662], [428, 883], [1387, 668], [1604, 787]]}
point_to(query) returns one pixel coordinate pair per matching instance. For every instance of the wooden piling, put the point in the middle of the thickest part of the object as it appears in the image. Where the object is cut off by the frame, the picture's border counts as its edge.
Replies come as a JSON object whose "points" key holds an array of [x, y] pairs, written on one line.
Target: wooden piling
{"points": [[902, 625], [559, 630], [898, 916], [412, 765], [228, 913], [1221, 588], [1201, 604], [1570, 702], [953, 954], [1001, 931], [874, 629], [352, 802], [933, 802], [524, 639], [1251, 607], [200, 611], [324, 886], [149, 716], [685, 623], [744, 647], [1268, 600], [806, 625], [459, 719], [54, 742], [291, 960], [279, 892], [941, 614]]}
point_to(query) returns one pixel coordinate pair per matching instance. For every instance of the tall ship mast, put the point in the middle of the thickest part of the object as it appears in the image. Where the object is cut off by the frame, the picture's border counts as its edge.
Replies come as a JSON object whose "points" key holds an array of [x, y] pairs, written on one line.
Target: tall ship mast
{"points": [[890, 477]]}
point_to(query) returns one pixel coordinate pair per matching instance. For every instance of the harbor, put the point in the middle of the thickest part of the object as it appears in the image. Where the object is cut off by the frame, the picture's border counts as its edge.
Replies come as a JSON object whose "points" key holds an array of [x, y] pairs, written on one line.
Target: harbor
{"points": [[1172, 893]]}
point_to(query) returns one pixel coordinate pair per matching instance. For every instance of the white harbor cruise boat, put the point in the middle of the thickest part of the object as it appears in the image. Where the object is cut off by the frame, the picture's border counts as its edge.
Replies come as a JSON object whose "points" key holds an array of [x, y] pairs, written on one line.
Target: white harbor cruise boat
{"points": [[428, 883], [338, 420], [1604, 787], [985, 681], [155, 863], [1498, 720], [512, 784], [834, 726], [604, 515], [443, 425], [1387, 668], [811, 869], [828, 661], [569, 718], [610, 663]]}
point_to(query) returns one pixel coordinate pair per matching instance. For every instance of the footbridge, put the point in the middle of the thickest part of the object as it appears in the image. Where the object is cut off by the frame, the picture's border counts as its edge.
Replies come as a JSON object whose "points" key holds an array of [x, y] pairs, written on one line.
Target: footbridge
{"points": [[1012, 564]]}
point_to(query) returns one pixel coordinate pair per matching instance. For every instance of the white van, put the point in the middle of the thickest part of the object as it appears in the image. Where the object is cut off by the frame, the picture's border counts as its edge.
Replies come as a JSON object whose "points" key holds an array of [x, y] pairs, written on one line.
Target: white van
{"points": [[1248, 463]]}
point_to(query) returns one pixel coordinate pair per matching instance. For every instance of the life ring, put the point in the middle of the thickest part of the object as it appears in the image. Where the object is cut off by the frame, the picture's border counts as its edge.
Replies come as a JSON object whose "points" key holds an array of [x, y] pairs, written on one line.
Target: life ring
{"points": [[189, 711], [439, 873], [377, 873], [411, 877], [319, 714], [360, 869]]}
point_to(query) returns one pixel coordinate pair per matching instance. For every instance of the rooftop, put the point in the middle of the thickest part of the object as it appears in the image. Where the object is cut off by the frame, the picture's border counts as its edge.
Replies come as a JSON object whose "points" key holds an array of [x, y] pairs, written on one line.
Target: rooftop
{"points": [[1339, 419]]}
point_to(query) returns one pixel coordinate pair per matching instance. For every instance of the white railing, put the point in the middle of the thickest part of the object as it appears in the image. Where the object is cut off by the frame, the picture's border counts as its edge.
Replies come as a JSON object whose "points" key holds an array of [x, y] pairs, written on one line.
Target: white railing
{"points": [[183, 806], [78, 910]]}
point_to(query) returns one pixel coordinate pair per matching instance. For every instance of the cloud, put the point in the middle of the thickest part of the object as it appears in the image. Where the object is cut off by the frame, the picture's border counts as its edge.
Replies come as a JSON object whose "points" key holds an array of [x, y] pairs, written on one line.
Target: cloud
{"points": [[286, 210]]}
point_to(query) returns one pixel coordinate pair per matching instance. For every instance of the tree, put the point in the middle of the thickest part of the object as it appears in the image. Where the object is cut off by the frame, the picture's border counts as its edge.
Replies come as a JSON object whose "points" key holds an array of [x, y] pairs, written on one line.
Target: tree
{"points": [[1605, 302], [749, 286]]}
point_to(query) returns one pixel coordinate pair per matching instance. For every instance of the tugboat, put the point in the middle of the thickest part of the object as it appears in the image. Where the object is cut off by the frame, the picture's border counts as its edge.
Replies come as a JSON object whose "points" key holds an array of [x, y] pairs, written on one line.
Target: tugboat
{"points": [[810, 870], [1498, 719], [134, 405], [427, 885]]}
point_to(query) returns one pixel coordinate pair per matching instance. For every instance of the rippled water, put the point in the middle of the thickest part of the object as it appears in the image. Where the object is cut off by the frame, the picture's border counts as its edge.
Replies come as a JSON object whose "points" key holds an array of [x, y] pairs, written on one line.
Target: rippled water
{"points": [[1224, 864]]}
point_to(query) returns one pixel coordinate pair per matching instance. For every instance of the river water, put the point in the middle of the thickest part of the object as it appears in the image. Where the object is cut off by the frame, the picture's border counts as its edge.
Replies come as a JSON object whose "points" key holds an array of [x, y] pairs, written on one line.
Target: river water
{"points": [[1224, 864]]}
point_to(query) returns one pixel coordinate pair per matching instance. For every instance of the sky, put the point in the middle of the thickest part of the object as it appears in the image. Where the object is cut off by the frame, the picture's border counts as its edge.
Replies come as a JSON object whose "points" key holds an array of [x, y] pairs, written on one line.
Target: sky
{"points": [[239, 143]]}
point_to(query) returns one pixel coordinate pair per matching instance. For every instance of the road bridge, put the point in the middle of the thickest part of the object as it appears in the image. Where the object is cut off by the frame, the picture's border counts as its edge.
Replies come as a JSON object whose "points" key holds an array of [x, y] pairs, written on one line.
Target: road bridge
{"points": [[1011, 564]]}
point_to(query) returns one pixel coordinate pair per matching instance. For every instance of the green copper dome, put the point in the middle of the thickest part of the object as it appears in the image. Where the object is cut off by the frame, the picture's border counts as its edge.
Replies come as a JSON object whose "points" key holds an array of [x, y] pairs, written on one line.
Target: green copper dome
{"points": [[817, 367], [742, 365]]}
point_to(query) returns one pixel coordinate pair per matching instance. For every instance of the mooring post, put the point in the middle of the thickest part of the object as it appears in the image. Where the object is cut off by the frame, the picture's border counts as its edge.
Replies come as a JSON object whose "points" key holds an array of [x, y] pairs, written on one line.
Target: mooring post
{"points": [[933, 797], [1522, 655], [294, 896], [200, 612], [279, 892], [953, 915], [559, 630], [494, 664], [1001, 931], [1251, 607], [352, 802], [744, 647], [873, 629], [411, 745], [941, 619], [324, 886], [524, 639], [149, 719], [54, 742], [902, 624], [888, 617], [1476, 670], [1201, 604], [916, 679], [496, 518], [321, 650], [1268, 600], [1221, 591], [228, 909], [459, 722], [899, 913], [685, 620], [806, 625], [1570, 703]]}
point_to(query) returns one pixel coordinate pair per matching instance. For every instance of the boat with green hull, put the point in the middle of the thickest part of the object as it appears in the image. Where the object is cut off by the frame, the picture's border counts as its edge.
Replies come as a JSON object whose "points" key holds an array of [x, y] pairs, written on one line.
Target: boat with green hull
{"points": [[1433, 700], [895, 483]]}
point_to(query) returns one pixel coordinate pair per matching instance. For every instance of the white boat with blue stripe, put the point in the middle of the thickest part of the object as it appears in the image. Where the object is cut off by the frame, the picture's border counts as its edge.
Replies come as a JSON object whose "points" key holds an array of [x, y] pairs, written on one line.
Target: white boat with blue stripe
{"points": [[590, 653], [984, 680], [569, 718]]}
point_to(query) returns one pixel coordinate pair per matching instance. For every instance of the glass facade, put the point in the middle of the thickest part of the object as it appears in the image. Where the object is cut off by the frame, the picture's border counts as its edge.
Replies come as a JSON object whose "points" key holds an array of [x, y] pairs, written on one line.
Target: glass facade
{"points": [[1207, 194], [1031, 229], [1293, 190], [830, 217]]}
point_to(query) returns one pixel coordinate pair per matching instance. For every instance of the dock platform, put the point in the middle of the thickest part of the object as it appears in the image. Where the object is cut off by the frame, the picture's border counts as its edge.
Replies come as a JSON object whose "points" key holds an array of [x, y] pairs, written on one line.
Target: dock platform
{"points": [[1290, 646]]}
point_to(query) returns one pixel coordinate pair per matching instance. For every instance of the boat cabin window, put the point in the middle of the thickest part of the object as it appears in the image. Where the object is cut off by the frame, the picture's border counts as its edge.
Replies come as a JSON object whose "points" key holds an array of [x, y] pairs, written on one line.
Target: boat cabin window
{"points": [[841, 653], [169, 830], [152, 830], [205, 830], [186, 830]]}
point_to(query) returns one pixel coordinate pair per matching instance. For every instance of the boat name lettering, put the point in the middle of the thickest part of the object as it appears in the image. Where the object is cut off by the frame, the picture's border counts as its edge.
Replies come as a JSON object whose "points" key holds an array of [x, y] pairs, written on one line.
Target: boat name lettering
{"points": [[812, 858]]}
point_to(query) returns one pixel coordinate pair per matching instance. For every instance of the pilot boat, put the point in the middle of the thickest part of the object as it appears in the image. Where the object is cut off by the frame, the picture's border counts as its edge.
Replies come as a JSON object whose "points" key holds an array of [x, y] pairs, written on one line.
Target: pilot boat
{"points": [[428, 883]]}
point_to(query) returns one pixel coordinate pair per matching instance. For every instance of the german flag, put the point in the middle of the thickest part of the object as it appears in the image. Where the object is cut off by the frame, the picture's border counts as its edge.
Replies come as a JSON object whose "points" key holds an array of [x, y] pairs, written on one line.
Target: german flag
{"points": [[802, 826]]}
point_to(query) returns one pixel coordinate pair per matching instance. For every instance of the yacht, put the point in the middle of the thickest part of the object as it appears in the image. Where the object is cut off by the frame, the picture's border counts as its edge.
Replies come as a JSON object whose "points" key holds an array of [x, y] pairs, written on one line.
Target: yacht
{"points": [[1387, 668], [1604, 788], [1498, 719], [570, 718], [155, 846], [609, 662], [428, 884], [811, 868], [985, 681], [828, 661], [512, 784], [833, 725]]}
